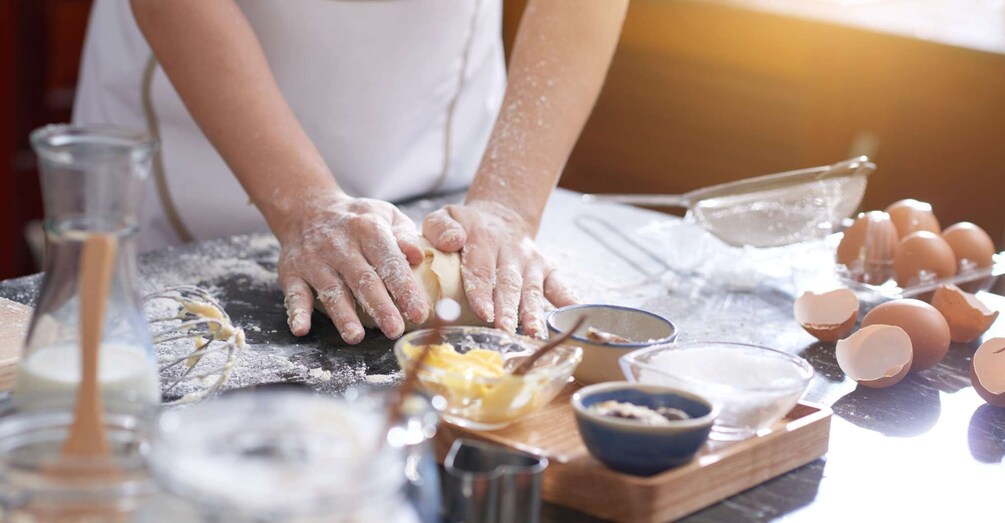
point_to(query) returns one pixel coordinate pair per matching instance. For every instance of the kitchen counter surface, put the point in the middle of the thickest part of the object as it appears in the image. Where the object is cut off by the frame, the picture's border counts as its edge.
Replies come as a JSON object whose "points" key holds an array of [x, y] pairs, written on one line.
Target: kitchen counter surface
{"points": [[927, 449]]}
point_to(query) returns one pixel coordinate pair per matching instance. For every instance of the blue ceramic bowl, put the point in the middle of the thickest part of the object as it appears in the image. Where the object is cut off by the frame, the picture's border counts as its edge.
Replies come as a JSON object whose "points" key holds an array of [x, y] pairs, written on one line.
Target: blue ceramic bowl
{"points": [[600, 359], [635, 448]]}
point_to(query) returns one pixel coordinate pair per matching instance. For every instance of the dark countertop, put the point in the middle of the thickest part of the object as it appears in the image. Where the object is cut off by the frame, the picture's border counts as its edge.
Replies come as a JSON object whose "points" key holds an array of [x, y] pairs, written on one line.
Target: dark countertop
{"points": [[925, 449]]}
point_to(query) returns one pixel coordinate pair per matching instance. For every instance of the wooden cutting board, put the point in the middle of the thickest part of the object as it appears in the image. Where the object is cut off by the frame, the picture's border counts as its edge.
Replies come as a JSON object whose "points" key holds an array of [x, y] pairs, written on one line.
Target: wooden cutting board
{"points": [[575, 479], [14, 319]]}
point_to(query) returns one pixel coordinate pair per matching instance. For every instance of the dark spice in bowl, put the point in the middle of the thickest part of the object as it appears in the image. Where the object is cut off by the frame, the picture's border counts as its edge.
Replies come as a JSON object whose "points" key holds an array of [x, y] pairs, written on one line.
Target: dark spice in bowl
{"points": [[600, 336], [640, 413]]}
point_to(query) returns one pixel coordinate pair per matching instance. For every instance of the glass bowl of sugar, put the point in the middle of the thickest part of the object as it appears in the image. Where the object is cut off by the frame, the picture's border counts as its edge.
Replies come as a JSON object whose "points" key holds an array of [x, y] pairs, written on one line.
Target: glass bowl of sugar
{"points": [[753, 386]]}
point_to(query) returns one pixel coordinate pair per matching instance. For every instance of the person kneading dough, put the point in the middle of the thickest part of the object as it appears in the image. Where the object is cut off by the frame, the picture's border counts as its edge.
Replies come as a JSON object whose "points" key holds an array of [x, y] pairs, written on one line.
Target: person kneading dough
{"points": [[439, 277], [321, 113]]}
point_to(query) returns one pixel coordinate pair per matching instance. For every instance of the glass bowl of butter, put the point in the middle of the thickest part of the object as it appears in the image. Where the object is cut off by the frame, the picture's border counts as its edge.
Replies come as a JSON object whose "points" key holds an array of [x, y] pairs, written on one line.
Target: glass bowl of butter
{"points": [[472, 369]]}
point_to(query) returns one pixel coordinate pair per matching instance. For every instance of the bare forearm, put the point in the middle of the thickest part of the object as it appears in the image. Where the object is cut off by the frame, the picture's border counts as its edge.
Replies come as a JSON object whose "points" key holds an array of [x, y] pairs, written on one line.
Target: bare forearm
{"points": [[216, 64], [558, 64]]}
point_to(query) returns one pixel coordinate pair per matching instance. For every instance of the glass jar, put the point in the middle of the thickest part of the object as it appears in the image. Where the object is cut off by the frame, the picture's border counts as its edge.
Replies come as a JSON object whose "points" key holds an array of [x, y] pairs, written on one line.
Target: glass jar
{"points": [[92, 183], [278, 456], [413, 434], [38, 484]]}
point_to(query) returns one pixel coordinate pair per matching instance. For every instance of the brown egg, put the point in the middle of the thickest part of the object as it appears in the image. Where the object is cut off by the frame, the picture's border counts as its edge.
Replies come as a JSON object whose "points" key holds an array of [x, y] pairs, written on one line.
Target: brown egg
{"points": [[876, 356], [910, 216], [828, 316], [970, 242], [987, 371], [966, 315], [973, 249], [921, 256], [925, 325], [867, 247]]}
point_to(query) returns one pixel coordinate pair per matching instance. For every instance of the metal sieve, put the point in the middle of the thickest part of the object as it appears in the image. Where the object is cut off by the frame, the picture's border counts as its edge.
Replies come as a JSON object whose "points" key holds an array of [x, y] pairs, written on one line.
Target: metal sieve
{"points": [[771, 210]]}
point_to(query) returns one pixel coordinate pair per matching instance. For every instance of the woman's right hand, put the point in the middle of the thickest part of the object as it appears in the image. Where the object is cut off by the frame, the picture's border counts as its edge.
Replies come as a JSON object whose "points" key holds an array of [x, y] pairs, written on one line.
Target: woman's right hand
{"points": [[350, 250]]}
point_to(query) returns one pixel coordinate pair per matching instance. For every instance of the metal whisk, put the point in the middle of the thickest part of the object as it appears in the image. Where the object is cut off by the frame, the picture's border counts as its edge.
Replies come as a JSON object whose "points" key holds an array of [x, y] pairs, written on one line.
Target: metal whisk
{"points": [[201, 318]]}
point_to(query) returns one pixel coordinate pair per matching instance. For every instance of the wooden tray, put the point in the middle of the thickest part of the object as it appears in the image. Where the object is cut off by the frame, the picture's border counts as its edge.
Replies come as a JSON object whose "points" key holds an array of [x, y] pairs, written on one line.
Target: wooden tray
{"points": [[14, 319], [575, 479]]}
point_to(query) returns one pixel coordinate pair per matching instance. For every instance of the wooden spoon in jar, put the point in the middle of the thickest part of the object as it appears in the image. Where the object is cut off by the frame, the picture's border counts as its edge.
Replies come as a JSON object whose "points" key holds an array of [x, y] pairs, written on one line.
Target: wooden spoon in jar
{"points": [[87, 438]]}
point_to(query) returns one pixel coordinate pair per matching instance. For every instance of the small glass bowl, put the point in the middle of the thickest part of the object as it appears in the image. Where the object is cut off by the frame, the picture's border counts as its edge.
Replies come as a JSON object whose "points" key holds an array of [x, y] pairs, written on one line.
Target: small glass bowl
{"points": [[478, 402], [279, 455], [752, 386], [40, 484]]}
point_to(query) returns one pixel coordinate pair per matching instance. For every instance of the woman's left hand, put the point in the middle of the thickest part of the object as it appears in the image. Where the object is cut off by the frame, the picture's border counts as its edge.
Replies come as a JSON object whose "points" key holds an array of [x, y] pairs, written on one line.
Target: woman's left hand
{"points": [[505, 276]]}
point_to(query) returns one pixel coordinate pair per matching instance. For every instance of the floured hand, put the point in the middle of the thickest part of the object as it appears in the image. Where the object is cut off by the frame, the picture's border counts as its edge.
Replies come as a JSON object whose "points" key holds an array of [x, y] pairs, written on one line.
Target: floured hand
{"points": [[351, 250], [505, 276]]}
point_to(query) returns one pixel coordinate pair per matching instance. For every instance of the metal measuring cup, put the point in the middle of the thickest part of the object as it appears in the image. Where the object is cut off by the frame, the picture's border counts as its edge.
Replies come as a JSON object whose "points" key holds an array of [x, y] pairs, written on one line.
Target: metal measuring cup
{"points": [[486, 483]]}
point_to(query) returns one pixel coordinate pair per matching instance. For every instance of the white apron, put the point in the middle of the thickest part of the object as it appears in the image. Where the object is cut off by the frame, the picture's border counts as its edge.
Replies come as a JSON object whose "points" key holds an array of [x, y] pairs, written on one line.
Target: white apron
{"points": [[398, 95]]}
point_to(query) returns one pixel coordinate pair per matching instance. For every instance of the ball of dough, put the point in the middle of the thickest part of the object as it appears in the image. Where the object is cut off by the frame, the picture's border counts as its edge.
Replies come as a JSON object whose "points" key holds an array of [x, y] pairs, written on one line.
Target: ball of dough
{"points": [[439, 277]]}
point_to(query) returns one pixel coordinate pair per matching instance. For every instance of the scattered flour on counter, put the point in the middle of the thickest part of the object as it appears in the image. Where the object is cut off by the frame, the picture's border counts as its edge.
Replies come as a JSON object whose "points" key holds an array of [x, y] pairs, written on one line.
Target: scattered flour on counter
{"points": [[23, 290], [253, 367], [320, 374], [251, 259], [247, 261], [630, 288], [384, 379]]}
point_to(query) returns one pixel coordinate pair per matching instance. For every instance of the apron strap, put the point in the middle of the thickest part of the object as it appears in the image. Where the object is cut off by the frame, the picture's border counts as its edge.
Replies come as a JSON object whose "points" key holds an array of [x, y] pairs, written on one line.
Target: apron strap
{"points": [[163, 192]]}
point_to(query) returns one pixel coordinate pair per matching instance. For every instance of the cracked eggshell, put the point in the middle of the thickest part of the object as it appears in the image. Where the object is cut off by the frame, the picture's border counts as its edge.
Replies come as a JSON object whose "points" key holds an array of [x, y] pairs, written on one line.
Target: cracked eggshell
{"points": [[925, 325], [966, 315], [827, 316], [987, 371], [876, 356]]}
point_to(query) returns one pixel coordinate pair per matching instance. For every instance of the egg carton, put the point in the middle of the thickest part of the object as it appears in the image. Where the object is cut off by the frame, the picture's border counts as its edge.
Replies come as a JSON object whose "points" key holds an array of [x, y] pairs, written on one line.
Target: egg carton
{"points": [[971, 280]]}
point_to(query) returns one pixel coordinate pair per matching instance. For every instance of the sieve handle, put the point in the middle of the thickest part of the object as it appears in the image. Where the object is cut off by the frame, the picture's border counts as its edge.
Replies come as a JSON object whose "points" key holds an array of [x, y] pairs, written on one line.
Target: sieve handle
{"points": [[660, 200]]}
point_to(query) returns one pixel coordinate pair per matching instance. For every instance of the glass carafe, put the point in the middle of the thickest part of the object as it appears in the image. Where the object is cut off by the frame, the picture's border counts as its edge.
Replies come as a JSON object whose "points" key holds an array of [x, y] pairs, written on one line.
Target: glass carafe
{"points": [[92, 183]]}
